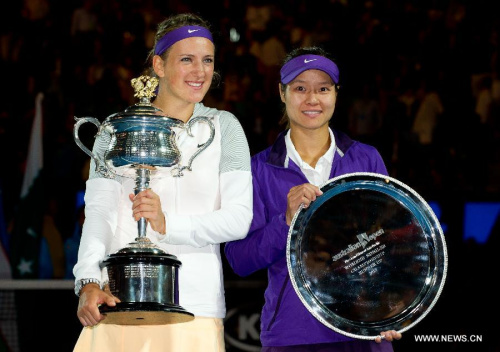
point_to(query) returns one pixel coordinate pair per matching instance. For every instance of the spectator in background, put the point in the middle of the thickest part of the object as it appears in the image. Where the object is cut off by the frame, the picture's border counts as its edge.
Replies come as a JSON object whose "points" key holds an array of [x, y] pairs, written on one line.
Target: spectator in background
{"points": [[484, 101], [430, 109], [84, 30], [265, 44], [84, 20], [365, 116]]}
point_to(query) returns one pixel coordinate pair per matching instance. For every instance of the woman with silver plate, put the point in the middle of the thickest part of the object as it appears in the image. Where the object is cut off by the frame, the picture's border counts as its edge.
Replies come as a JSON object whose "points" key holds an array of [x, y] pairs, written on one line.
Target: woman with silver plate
{"points": [[286, 175]]}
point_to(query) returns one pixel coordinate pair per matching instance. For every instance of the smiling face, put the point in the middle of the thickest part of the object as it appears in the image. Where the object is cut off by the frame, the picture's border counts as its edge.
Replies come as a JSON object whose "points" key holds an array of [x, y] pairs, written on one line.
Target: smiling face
{"points": [[186, 74], [310, 100]]}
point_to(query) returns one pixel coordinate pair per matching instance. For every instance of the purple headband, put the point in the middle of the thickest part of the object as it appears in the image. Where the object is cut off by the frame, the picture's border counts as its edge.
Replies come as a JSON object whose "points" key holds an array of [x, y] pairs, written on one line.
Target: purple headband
{"points": [[184, 32], [302, 63]]}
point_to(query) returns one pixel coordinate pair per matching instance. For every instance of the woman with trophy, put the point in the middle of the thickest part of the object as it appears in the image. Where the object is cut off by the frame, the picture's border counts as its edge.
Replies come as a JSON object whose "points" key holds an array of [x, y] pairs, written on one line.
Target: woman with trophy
{"points": [[287, 175], [188, 214]]}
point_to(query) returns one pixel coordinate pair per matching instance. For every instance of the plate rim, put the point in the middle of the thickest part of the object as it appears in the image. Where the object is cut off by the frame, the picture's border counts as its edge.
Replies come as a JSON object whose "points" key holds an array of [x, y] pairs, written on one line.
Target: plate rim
{"points": [[440, 234]]}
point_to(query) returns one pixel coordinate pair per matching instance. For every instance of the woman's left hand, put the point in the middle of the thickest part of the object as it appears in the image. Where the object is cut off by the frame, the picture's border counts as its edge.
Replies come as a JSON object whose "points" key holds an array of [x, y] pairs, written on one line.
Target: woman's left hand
{"points": [[146, 204], [389, 336]]}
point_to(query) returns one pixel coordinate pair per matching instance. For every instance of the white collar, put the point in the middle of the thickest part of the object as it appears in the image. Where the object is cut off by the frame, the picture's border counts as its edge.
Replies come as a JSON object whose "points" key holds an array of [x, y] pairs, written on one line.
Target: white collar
{"points": [[292, 153]]}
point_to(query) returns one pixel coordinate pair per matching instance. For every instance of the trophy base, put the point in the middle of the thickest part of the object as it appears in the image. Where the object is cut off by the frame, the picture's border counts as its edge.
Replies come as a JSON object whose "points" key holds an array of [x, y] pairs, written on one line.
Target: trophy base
{"points": [[144, 313]]}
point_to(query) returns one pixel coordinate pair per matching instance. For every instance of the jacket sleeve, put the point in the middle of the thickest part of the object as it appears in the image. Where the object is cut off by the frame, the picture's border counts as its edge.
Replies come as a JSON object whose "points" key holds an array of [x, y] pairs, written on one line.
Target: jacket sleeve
{"points": [[102, 196], [232, 220], [267, 238], [101, 213], [379, 165], [228, 223], [362, 158]]}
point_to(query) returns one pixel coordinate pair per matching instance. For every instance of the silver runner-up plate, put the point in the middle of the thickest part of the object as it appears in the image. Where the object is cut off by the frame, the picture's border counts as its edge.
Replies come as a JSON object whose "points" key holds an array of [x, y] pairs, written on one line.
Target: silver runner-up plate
{"points": [[367, 256]]}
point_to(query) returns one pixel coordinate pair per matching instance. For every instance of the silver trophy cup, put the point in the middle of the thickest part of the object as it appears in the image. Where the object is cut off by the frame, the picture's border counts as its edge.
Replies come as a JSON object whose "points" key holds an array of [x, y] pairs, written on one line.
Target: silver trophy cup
{"points": [[143, 141]]}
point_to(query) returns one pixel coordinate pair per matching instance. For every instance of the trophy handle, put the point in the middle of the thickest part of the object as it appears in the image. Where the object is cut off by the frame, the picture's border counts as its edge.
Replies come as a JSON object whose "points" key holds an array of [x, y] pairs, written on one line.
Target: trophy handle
{"points": [[79, 122], [177, 171]]}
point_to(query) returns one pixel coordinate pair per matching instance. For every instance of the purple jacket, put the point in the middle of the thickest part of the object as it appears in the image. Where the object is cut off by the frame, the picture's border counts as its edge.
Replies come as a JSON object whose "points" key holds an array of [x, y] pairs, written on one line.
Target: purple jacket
{"points": [[284, 320]]}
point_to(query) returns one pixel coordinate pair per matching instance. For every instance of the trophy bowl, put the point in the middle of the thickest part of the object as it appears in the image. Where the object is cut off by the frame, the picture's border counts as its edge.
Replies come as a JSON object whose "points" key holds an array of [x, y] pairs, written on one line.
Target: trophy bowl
{"points": [[141, 141], [367, 256]]}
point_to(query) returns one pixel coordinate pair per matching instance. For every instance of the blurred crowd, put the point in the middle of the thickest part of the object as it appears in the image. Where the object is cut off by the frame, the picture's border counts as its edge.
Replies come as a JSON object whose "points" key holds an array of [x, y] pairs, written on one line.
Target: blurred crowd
{"points": [[420, 80]]}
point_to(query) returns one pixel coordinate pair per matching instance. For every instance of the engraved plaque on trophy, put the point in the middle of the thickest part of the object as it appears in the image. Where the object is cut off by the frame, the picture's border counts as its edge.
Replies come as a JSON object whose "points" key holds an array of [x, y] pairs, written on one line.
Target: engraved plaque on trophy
{"points": [[143, 141], [367, 256]]}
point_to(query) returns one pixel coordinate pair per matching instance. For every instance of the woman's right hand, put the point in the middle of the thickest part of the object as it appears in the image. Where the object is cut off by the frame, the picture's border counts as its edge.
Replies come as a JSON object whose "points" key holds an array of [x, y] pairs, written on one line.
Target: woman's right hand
{"points": [[147, 204], [301, 194], [91, 296]]}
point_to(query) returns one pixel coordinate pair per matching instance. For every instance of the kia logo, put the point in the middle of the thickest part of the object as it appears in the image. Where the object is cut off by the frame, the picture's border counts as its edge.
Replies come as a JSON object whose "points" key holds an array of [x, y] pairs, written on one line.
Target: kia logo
{"points": [[242, 328]]}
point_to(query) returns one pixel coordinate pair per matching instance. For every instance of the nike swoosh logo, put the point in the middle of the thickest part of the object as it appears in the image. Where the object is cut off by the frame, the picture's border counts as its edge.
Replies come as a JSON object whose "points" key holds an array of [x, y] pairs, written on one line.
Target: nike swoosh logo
{"points": [[307, 61], [192, 30]]}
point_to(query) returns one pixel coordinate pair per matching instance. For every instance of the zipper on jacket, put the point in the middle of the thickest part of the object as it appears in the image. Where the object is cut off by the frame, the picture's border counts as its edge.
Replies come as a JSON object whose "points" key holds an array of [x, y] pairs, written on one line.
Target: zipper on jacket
{"points": [[278, 304]]}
